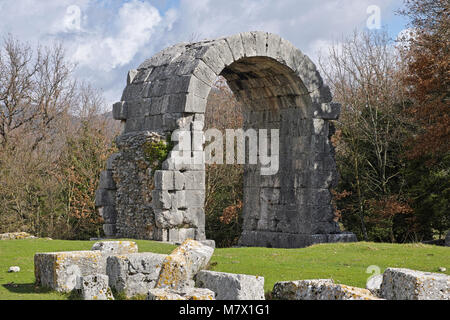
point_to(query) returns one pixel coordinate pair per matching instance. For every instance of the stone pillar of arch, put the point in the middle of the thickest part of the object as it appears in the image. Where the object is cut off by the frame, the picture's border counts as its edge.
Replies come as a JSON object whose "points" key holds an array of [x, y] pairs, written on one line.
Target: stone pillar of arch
{"points": [[280, 88]]}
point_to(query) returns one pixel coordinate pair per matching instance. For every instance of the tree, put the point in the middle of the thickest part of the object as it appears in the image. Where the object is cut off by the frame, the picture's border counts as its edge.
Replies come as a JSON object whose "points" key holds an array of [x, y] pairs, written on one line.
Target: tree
{"points": [[54, 141], [363, 73], [427, 55], [36, 89], [428, 77]]}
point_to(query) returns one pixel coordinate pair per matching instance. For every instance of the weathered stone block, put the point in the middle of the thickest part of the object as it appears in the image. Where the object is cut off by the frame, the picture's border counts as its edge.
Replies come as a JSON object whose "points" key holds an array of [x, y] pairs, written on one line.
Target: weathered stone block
{"points": [[202, 71], [406, 284], [249, 44], [115, 247], [110, 229], [319, 289], [108, 213], [178, 235], [166, 219], [164, 180], [161, 199], [179, 180], [180, 267], [194, 217], [60, 270], [179, 199], [104, 197], [95, 287], [195, 198], [236, 46], [106, 180], [131, 75], [134, 274], [185, 294], [199, 87], [110, 162], [194, 180], [120, 111], [208, 242], [195, 104], [230, 286]]}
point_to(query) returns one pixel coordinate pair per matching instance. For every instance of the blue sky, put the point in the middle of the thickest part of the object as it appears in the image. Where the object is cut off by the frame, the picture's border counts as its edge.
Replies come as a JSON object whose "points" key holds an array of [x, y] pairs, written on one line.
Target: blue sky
{"points": [[106, 38]]}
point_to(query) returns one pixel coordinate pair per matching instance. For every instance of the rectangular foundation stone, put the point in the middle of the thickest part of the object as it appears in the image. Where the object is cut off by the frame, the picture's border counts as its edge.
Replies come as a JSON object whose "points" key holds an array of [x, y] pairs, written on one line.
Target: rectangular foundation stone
{"points": [[60, 270], [230, 286], [134, 274], [406, 284], [319, 289]]}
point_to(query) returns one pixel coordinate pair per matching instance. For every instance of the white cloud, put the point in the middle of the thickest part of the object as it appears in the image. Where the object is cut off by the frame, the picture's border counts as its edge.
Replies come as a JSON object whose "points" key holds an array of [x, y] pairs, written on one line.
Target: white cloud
{"points": [[117, 35], [136, 22]]}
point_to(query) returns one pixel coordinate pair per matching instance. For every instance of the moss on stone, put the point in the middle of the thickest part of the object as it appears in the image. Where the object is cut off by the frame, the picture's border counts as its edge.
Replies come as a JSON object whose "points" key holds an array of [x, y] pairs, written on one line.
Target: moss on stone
{"points": [[157, 151]]}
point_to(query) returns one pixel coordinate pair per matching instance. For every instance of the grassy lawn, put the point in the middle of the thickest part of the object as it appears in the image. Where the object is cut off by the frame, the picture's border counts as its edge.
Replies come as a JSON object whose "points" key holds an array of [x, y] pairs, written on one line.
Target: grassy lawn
{"points": [[344, 262]]}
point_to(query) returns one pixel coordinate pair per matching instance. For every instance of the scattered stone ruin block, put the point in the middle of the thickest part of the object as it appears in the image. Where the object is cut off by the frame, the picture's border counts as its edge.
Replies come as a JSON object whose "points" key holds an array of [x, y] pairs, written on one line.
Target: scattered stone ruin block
{"points": [[319, 289], [115, 247], [406, 284], [134, 274], [230, 286], [180, 267], [95, 287], [210, 243], [185, 294], [60, 270], [16, 235], [14, 269]]}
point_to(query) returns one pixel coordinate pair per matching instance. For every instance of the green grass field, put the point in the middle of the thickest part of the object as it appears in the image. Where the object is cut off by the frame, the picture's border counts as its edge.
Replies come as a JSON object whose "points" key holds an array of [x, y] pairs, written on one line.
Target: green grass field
{"points": [[344, 262]]}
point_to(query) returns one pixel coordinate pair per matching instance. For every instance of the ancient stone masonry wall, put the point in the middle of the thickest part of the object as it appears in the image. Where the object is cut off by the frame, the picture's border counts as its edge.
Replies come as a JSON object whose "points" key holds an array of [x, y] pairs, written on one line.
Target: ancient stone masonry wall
{"points": [[144, 195]]}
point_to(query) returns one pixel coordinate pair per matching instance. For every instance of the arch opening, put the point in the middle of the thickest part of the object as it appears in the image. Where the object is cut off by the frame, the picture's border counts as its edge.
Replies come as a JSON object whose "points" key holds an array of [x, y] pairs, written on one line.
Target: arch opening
{"points": [[272, 96]]}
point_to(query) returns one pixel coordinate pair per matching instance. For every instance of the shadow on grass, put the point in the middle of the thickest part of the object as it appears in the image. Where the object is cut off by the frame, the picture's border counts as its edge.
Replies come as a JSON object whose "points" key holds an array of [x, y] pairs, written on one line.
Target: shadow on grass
{"points": [[24, 288]]}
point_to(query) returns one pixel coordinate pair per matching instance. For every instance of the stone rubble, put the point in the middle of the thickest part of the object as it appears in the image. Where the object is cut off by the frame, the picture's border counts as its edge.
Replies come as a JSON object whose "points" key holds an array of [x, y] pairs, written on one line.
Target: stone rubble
{"points": [[181, 275], [16, 235], [14, 269]]}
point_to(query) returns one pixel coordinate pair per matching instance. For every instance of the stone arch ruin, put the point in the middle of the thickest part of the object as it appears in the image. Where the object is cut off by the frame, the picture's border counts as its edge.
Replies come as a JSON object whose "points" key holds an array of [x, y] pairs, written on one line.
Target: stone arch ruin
{"points": [[280, 88]]}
